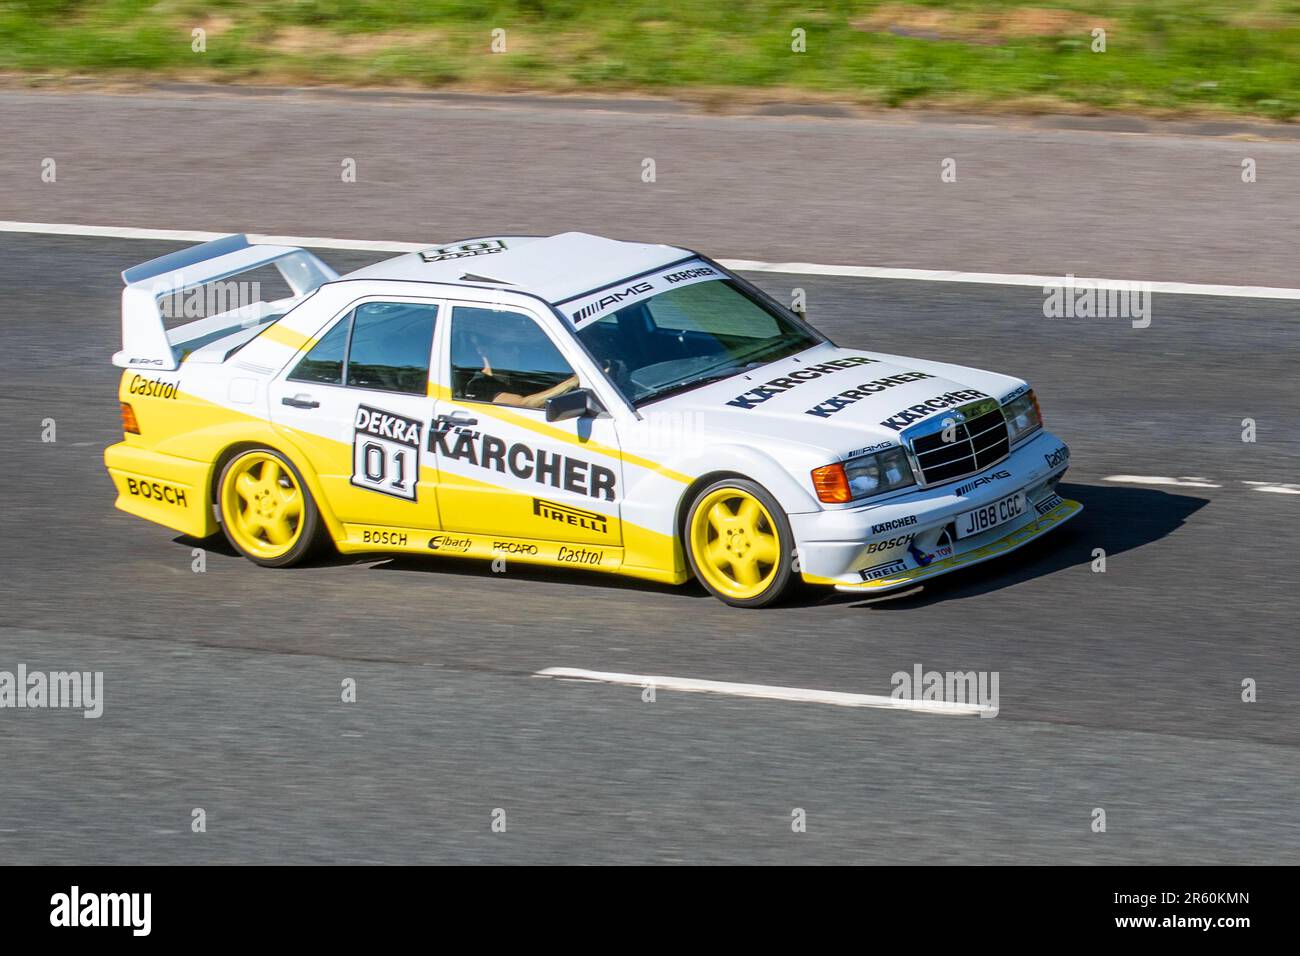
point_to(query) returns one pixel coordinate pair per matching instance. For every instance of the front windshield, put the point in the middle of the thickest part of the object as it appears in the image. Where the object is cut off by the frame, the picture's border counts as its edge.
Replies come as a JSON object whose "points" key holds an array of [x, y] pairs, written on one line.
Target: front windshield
{"points": [[688, 336]]}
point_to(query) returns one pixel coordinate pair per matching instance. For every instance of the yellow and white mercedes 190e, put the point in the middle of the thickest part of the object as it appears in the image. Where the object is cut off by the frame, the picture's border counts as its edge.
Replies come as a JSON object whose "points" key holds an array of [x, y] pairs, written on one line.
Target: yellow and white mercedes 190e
{"points": [[570, 401]]}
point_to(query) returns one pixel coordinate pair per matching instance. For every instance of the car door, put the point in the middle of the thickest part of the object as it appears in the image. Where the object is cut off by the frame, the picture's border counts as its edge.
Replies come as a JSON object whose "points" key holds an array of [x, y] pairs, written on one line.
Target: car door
{"points": [[504, 470], [357, 403]]}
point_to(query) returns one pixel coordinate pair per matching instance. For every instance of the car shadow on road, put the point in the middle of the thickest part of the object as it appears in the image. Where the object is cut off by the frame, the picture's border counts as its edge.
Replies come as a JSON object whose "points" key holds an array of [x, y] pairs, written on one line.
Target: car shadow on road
{"points": [[1115, 518], [480, 568], [462, 567]]}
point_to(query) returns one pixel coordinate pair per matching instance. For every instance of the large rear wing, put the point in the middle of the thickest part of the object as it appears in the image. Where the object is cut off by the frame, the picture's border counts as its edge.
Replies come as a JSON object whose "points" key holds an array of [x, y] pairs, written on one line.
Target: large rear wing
{"points": [[146, 341]]}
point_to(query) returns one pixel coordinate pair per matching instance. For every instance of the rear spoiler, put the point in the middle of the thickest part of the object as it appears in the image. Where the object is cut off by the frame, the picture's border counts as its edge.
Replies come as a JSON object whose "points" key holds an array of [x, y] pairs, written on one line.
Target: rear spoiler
{"points": [[146, 343]]}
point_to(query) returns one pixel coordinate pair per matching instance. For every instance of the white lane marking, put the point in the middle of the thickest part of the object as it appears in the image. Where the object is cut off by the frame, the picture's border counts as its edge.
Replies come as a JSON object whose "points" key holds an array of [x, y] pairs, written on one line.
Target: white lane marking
{"points": [[770, 692], [739, 265], [1277, 488], [190, 235], [1000, 278], [1156, 480], [1188, 481]]}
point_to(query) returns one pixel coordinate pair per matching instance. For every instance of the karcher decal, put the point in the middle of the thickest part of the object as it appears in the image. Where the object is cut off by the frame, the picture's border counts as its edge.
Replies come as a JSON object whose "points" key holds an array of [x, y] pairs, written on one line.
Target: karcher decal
{"points": [[756, 396], [858, 392], [552, 468], [915, 413]]}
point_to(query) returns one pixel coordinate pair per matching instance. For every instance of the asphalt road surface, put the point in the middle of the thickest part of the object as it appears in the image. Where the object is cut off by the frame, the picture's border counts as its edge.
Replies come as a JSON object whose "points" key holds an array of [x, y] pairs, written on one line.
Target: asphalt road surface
{"points": [[1118, 690], [843, 191]]}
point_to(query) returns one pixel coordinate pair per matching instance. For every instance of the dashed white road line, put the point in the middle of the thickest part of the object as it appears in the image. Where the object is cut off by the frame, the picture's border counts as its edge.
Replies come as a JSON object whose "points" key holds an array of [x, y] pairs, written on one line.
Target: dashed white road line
{"points": [[1158, 480], [740, 265], [1000, 278], [770, 692], [1275, 487], [193, 235]]}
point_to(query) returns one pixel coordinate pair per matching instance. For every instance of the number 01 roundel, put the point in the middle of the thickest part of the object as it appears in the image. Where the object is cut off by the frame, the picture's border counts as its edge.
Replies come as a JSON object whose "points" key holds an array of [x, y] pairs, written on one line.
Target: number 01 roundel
{"points": [[386, 453]]}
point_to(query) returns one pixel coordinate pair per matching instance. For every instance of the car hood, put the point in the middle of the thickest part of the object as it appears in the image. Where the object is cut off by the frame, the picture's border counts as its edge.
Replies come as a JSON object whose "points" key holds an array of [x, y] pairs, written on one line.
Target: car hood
{"points": [[841, 401]]}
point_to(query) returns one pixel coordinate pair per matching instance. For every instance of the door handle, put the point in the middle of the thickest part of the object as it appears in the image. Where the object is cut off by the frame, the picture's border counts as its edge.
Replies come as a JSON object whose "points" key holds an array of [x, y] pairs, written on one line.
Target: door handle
{"points": [[300, 401], [457, 418]]}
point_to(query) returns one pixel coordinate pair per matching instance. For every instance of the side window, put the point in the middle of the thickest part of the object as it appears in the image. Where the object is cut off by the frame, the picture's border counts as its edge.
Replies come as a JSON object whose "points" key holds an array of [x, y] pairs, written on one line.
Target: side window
{"points": [[324, 363], [390, 347], [505, 358], [379, 345]]}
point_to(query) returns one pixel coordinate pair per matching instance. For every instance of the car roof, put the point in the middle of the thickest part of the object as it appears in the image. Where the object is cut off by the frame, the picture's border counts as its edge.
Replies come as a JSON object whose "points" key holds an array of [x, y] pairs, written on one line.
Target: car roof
{"points": [[555, 268]]}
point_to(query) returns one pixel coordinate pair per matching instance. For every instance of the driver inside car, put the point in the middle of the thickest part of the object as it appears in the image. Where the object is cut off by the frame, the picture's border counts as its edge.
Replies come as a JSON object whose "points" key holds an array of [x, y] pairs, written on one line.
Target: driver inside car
{"points": [[491, 385]]}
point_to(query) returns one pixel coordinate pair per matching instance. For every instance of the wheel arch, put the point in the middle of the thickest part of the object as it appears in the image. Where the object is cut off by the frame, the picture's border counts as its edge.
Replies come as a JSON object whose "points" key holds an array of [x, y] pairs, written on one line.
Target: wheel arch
{"points": [[295, 457]]}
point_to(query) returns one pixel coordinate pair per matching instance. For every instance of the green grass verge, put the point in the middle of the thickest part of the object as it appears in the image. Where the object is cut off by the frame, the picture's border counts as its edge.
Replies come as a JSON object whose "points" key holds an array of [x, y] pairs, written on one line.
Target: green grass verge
{"points": [[1162, 56]]}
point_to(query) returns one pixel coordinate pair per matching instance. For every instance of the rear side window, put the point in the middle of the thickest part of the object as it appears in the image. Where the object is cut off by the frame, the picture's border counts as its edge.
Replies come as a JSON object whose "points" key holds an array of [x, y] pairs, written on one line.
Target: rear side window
{"points": [[324, 363], [381, 346]]}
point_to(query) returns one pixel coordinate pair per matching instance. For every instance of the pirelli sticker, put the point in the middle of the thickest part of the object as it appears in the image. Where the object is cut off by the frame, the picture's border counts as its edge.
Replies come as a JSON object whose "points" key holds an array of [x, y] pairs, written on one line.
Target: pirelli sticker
{"points": [[592, 306]]}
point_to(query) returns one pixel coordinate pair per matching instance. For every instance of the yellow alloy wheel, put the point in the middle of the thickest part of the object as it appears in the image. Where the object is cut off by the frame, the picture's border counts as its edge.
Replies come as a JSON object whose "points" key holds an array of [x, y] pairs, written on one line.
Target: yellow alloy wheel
{"points": [[735, 543], [262, 505]]}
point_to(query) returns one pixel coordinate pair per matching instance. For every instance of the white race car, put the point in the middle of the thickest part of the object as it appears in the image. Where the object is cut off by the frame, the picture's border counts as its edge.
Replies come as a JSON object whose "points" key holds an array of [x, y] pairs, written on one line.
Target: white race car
{"points": [[571, 401]]}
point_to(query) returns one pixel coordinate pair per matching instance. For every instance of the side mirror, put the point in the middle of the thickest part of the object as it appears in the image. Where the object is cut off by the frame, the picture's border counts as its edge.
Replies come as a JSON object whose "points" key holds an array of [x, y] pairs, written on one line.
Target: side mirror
{"points": [[579, 403]]}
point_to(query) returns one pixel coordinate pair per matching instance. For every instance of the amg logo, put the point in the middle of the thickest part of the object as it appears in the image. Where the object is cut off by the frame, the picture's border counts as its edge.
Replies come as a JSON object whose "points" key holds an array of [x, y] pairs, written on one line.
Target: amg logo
{"points": [[591, 520], [612, 298], [986, 479]]}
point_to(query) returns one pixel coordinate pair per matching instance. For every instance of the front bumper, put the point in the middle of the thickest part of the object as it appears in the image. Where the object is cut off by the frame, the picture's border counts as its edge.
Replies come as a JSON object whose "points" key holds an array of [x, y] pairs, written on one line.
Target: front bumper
{"points": [[885, 546]]}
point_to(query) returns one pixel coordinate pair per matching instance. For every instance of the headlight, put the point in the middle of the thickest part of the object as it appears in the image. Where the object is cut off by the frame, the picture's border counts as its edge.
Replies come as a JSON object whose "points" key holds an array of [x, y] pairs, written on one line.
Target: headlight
{"points": [[864, 475], [1023, 416]]}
